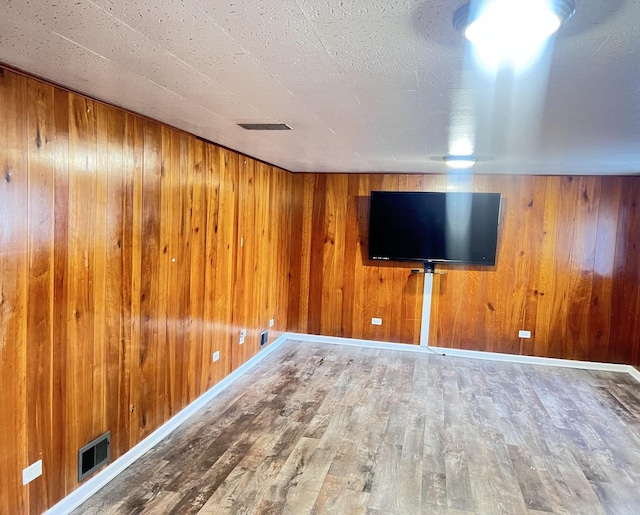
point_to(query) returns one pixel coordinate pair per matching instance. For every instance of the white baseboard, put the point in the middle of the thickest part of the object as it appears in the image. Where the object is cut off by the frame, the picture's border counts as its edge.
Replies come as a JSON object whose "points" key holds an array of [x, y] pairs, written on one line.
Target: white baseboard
{"points": [[461, 353], [634, 372], [86, 490]]}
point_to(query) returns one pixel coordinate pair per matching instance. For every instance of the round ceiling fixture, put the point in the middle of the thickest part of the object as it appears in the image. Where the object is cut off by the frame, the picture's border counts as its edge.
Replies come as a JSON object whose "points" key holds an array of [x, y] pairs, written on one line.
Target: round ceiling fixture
{"points": [[508, 32], [460, 162]]}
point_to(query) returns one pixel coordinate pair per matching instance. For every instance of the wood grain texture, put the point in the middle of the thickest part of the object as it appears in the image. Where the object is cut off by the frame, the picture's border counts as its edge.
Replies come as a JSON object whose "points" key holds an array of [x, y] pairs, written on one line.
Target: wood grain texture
{"points": [[121, 272], [568, 268], [319, 428], [14, 284], [41, 152]]}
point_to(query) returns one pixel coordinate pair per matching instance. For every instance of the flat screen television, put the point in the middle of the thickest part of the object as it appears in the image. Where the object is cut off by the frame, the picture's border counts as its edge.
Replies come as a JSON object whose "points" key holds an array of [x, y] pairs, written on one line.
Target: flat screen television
{"points": [[451, 227]]}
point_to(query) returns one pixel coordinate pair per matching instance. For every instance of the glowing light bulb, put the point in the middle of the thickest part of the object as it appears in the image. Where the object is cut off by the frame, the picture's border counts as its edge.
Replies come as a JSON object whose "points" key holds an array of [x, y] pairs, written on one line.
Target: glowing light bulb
{"points": [[512, 31]]}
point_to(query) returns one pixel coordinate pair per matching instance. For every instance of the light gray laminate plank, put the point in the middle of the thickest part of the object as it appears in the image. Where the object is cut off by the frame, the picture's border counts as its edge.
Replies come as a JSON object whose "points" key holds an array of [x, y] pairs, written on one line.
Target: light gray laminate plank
{"points": [[319, 428]]}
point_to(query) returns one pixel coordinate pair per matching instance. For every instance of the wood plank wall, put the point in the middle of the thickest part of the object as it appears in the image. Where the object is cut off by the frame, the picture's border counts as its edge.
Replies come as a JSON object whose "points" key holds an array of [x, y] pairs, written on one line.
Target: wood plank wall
{"points": [[568, 268], [129, 253]]}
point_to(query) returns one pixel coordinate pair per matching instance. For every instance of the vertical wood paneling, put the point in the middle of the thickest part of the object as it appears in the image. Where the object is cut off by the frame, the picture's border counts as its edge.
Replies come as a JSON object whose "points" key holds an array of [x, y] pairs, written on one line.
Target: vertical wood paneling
{"points": [[81, 352], [134, 166], [121, 273], [212, 196], [567, 269], [244, 283], [58, 463], [569, 195], [169, 302], [182, 235], [14, 272], [282, 241], [197, 248], [547, 268], [148, 390], [581, 271], [224, 335], [117, 300], [602, 288], [100, 244], [534, 196], [41, 152], [333, 254], [361, 296], [634, 262], [316, 262], [302, 204], [352, 245], [265, 260], [627, 278]]}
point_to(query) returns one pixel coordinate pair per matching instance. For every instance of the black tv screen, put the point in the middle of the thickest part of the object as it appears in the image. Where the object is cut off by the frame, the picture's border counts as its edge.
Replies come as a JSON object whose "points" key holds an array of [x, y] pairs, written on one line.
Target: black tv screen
{"points": [[434, 227]]}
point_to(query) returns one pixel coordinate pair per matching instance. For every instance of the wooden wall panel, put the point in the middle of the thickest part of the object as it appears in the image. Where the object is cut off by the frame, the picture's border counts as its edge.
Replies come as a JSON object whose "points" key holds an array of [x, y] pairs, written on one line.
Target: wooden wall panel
{"points": [[148, 390], [226, 230], [121, 272], [40, 293], [567, 269], [56, 465], [81, 270], [14, 276]]}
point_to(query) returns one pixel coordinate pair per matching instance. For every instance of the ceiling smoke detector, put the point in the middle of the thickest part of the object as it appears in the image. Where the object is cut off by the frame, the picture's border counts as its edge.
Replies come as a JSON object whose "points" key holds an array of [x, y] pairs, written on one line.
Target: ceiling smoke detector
{"points": [[508, 32]]}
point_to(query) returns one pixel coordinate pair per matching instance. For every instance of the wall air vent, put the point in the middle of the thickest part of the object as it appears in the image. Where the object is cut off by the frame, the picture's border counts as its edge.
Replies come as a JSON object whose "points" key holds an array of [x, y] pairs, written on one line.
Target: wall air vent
{"points": [[265, 126], [93, 455]]}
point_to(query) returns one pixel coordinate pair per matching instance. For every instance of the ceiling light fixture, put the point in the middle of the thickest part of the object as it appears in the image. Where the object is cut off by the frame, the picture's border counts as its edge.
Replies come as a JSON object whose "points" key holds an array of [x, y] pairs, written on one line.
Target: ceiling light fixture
{"points": [[508, 32], [460, 162]]}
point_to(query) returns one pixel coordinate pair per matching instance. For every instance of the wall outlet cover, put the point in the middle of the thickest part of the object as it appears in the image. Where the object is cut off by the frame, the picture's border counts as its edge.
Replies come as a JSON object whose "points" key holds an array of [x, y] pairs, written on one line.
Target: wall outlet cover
{"points": [[524, 334], [376, 321], [31, 472], [216, 356]]}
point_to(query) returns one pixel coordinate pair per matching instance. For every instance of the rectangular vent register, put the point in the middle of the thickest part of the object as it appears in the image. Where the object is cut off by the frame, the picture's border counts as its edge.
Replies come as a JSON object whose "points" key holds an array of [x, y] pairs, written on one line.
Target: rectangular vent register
{"points": [[93, 455]]}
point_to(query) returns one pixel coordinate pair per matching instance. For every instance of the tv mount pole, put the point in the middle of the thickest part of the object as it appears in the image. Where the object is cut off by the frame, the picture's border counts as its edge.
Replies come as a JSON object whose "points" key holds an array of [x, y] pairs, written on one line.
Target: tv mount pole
{"points": [[429, 270]]}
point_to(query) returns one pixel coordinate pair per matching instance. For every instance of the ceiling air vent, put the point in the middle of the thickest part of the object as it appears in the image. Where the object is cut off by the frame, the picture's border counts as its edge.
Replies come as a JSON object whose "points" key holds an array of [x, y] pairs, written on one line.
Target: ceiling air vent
{"points": [[265, 126]]}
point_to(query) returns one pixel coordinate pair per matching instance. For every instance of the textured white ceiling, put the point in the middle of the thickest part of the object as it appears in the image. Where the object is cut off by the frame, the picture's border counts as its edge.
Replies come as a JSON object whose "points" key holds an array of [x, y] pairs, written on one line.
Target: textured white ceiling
{"points": [[365, 85]]}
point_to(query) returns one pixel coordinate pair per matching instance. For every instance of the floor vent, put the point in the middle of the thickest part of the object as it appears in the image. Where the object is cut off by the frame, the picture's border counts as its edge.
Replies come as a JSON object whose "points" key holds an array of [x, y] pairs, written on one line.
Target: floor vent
{"points": [[265, 126], [93, 455], [264, 338]]}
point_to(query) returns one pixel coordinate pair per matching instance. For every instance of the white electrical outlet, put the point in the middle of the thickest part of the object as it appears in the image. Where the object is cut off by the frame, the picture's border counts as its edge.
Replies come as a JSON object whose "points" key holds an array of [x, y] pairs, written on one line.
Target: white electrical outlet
{"points": [[524, 334], [376, 321], [243, 335], [32, 472], [271, 322], [216, 356]]}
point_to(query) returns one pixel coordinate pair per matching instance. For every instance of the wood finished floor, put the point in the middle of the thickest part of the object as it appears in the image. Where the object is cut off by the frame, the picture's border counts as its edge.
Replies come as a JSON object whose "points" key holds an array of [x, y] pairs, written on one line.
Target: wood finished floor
{"points": [[329, 429]]}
